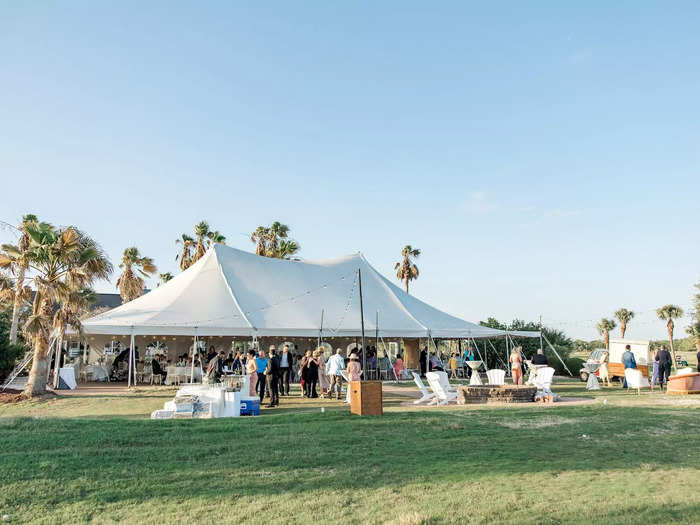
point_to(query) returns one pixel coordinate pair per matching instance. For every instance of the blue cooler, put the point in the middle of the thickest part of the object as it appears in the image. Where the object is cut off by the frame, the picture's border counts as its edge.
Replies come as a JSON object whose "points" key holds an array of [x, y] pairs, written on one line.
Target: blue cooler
{"points": [[250, 407]]}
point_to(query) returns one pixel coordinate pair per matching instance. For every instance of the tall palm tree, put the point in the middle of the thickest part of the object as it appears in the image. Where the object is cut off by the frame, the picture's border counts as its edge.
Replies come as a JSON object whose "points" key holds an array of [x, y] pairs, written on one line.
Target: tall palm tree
{"points": [[185, 254], [201, 232], [605, 326], [13, 258], [164, 277], [62, 260], [406, 270], [668, 313], [624, 316], [259, 237], [130, 282], [287, 248], [275, 233]]}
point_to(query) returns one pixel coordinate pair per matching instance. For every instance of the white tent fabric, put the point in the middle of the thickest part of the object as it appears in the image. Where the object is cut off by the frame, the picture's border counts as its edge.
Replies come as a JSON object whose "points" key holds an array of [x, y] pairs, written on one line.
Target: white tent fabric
{"points": [[236, 293]]}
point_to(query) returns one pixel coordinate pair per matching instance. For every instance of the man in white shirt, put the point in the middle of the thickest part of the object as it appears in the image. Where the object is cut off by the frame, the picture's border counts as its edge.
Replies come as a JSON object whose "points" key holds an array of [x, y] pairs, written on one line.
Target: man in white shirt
{"points": [[286, 362], [334, 367]]}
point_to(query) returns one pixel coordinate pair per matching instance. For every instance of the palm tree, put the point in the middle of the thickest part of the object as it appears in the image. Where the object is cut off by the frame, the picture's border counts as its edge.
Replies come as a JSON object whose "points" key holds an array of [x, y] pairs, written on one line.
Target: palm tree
{"points": [[624, 316], [130, 282], [215, 237], [275, 233], [13, 258], [62, 260], [69, 313], [694, 332], [668, 313], [605, 326], [185, 255], [201, 232], [406, 270], [287, 248], [259, 237], [164, 277]]}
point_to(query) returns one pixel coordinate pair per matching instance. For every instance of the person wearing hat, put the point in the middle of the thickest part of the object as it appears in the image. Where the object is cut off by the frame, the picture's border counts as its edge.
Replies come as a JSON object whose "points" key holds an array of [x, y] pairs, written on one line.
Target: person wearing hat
{"points": [[354, 368]]}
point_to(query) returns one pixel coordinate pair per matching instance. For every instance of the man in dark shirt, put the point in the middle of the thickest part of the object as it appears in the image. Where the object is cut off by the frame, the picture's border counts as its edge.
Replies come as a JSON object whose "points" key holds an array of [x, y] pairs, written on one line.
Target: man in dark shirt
{"points": [[664, 365], [272, 375], [157, 370], [540, 358]]}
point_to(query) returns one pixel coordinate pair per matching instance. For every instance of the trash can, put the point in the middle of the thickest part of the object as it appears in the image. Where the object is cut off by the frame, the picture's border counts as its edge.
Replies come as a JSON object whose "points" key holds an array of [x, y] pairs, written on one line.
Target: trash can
{"points": [[366, 398]]}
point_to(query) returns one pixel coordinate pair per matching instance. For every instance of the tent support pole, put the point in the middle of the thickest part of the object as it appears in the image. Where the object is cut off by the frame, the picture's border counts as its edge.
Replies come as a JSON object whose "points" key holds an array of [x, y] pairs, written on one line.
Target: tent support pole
{"points": [[557, 354], [320, 331], [131, 355], [541, 348], [194, 352], [362, 325]]}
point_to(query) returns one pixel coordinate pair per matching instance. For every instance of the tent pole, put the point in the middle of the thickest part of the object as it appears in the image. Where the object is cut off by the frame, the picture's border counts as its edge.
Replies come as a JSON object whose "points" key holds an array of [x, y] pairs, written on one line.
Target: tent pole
{"points": [[507, 355], [131, 355], [194, 350], [133, 340], [57, 363], [320, 331], [541, 348], [362, 326], [557, 354], [376, 345]]}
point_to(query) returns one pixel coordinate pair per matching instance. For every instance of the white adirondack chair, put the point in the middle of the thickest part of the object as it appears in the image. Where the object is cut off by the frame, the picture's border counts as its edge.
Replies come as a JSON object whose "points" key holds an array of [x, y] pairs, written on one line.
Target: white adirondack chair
{"points": [[635, 379], [427, 396], [443, 394], [450, 389], [543, 380], [496, 376]]}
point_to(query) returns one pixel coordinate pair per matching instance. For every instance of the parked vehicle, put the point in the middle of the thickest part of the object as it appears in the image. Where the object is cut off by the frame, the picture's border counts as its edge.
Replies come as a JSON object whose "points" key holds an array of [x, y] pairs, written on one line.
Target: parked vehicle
{"points": [[616, 369]]}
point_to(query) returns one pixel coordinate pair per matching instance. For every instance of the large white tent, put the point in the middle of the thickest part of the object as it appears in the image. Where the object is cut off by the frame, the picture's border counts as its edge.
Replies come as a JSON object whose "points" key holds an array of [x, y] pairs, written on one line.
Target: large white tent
{"points": [[229, 292]]}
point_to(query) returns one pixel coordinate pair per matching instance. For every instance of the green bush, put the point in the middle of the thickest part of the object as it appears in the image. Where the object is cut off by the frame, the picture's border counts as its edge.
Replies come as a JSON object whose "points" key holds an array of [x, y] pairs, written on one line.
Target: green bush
{"points": [[9, 354]]}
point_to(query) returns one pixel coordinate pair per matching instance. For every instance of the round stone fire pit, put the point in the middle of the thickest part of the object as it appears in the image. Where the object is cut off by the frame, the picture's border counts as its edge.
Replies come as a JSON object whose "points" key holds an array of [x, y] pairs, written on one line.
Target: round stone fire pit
{"points": [[497, 394]]}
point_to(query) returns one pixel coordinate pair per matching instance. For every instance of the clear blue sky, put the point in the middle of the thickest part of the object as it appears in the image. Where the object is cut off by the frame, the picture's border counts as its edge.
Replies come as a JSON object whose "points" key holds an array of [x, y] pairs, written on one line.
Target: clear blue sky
{"points": [[545, 157]]}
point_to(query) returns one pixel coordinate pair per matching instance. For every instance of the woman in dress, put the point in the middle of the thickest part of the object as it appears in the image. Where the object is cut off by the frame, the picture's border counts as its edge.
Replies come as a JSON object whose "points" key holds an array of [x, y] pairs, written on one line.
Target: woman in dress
{"points": [[398, 367], [324, 382], [354, 368], [516, 369], [603, 373], [311, 376], [251, 368], [655, 371], [304, 371]]}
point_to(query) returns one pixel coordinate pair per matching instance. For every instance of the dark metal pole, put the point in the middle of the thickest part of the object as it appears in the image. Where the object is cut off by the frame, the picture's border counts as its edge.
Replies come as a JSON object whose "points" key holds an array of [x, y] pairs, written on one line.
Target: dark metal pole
{"points": [[362, 326]]}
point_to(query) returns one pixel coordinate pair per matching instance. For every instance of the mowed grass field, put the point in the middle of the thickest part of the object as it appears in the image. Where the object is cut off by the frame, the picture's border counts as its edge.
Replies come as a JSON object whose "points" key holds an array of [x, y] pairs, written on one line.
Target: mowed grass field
{"points": [[619, 459]]}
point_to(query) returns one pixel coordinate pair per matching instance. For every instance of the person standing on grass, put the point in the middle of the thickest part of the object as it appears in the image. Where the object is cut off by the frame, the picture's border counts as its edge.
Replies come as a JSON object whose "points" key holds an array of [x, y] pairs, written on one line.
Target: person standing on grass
{"points": [[655, 370], [453, 366], [261, 363], [286, 367], [603, 372], [628, 361], [516, 366], [399, 367], [272, 374], [539, 358], [251, 368], [304, 371], [423, 362], [664, 365], [324, 381], [311, 377], [334, 368], [354, 368]]}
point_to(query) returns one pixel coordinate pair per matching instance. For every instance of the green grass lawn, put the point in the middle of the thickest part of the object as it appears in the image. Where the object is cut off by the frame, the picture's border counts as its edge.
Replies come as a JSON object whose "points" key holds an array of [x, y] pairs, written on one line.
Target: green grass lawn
{"points": [[96, 458]]}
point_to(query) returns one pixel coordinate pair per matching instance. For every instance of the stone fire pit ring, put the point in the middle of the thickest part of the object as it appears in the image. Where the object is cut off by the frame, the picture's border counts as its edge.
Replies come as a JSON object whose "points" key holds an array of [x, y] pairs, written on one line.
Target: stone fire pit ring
{"points": [[485, 394]]}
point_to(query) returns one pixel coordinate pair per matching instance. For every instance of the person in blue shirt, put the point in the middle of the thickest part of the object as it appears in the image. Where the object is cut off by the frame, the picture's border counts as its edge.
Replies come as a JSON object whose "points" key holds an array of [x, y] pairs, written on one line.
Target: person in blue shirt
{"points": [[628, 361], [261, 362]]}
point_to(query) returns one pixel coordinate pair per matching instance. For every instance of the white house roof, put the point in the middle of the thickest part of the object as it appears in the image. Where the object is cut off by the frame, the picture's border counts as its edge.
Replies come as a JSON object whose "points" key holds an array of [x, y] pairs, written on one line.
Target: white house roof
{"points": [[236, 293]]}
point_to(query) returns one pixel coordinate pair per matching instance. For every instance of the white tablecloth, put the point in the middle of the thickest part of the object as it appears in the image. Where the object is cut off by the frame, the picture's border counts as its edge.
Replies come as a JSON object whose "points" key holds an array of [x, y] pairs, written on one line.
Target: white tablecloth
{"points": [[99, 373]]}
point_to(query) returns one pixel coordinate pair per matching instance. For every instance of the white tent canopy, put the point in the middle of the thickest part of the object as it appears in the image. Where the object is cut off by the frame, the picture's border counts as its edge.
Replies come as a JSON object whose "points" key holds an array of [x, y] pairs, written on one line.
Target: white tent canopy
{"points": [[229, 292]]}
